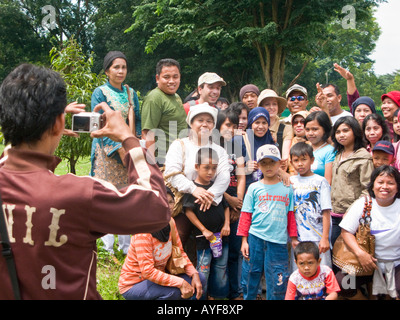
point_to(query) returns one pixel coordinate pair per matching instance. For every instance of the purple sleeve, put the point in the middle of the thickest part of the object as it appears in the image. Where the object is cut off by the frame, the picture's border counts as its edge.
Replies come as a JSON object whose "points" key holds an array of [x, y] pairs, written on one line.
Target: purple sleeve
{"points": [[351, 98]]}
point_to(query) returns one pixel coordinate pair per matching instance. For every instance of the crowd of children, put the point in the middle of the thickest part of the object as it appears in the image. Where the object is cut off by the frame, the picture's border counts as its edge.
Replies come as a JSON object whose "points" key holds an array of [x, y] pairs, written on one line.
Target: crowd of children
{"points": [[277, 223], [264, 196]]}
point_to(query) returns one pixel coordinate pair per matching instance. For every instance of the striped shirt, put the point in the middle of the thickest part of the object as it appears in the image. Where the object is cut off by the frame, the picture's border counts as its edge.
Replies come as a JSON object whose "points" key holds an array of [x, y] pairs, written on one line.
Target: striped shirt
{"points": [[146, 260]]}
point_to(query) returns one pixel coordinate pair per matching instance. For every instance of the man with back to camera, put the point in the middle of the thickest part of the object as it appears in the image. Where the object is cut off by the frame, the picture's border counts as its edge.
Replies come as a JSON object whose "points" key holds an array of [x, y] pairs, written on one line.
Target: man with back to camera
{"points": [[53, 221], [163, 116]]}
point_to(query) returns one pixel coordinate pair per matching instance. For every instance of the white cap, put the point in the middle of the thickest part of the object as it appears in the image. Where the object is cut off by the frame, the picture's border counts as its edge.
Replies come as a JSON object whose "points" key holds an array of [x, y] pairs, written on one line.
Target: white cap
{"points": [[202, 108], [209, 78], [268, 151]]}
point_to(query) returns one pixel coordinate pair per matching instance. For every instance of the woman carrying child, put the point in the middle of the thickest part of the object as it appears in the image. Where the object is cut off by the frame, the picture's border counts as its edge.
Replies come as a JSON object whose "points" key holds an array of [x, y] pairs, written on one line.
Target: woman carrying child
{"points": [[181, 159]]}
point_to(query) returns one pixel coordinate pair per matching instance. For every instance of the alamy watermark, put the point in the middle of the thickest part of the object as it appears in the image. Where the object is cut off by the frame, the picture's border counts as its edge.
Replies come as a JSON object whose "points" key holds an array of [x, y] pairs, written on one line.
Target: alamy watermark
{"points": [[349, 21], [49, 21]]}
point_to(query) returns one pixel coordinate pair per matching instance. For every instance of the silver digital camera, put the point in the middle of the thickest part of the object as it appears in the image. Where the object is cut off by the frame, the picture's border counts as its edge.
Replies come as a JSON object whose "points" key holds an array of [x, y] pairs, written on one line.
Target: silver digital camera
{"points": [[87, 122]]}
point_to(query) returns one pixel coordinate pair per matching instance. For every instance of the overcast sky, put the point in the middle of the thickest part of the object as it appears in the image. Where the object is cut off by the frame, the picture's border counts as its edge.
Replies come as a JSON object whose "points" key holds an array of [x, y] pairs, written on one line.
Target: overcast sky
{"points": [[387, 51]]}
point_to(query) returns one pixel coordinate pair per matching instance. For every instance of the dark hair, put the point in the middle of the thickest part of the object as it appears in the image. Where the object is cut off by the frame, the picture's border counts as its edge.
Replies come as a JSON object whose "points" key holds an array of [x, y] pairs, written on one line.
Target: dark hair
{"points": [[380, 120], [396, 137], [301, 149], [31, 98], [167, 63], [226, 114], [331, 85], [169, 191], [307, 247], [323, 120], [357, 132], [223, 100], [386, 170], [206, 153], [238, 107]]}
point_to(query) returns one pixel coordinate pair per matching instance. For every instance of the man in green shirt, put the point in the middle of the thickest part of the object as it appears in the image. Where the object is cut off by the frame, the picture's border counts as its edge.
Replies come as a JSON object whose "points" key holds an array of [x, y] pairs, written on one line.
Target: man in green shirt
{"points": [[163, 115]]}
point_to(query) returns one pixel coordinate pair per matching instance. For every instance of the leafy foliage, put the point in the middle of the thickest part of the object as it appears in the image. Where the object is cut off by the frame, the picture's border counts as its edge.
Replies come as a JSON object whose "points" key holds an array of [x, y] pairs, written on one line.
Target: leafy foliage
{"points": [[75, 68], [275, 30]]}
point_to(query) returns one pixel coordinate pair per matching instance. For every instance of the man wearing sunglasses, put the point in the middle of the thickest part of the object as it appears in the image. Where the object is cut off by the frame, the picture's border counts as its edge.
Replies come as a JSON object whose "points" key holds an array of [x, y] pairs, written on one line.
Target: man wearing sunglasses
{"points": [[297, 100]]}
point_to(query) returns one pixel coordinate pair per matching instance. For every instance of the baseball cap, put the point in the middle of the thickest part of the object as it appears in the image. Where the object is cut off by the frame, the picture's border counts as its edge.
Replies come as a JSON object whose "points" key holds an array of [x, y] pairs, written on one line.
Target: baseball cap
{"points": [[384, 146], [209, 78], [296, 87], [268, 151]]}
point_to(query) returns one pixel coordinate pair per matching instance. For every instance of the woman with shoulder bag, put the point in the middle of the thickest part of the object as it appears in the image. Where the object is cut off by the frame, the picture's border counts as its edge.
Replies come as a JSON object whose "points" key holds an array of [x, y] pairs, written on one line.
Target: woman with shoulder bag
{"points": [[145, 274], [384, 190]]}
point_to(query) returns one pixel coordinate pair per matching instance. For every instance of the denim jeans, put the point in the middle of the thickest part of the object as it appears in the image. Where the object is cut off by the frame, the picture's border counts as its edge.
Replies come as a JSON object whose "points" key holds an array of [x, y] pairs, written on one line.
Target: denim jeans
{"points": [[148, 290], [214, 271], [234, 262], [268, 257]]}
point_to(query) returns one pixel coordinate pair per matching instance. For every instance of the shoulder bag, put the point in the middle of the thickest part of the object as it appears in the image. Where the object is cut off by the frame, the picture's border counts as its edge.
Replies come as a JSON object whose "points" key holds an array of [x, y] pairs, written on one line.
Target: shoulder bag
{"points": [[345, 259], [178, 196], [176, 263]]}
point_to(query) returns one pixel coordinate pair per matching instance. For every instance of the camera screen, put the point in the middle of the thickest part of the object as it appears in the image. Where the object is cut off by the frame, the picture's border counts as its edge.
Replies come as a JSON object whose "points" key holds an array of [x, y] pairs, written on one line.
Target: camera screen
{"points": [[81, 124]]}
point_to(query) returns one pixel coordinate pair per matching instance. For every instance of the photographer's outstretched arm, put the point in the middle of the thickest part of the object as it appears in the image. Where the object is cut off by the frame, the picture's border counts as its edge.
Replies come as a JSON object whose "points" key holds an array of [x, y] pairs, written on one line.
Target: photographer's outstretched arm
{"points": [[142, 206]]}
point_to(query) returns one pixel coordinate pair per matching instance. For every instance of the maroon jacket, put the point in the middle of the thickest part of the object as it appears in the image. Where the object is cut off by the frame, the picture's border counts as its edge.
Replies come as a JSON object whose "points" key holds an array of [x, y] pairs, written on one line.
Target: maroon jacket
{"points": [[54, 221]]}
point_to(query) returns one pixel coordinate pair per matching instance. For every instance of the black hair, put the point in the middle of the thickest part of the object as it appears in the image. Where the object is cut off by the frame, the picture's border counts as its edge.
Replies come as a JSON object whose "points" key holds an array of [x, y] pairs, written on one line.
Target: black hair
{"points": [[223, 100], [226, 114], [380, 120], [238, 107], [169, 191], [31, 98], [386, 170], [307, 247], [301, 149], [396, 137], [337, 91], [205, 154], [168, 62], [323, 120], [357, 132]]}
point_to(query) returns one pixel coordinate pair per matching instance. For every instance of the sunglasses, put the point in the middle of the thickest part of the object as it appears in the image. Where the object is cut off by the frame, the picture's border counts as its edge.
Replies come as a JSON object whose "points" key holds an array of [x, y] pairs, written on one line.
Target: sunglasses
{"points": [[297, 121], [299, 98]]}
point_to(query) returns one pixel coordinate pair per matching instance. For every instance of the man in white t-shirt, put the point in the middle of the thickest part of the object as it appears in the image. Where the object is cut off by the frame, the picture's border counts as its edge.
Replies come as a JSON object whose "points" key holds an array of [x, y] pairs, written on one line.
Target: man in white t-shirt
{"points": [[328, 99]]}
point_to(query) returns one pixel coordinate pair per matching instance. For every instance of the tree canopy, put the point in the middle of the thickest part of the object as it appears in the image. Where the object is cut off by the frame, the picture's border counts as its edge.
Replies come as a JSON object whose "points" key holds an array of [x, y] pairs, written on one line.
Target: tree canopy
{"points": [[277, 32]]}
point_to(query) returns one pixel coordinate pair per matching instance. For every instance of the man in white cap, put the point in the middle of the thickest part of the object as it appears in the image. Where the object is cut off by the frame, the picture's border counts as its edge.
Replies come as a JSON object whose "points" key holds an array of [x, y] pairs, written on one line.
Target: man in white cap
{"points": [[209, 88], [297, 100]]}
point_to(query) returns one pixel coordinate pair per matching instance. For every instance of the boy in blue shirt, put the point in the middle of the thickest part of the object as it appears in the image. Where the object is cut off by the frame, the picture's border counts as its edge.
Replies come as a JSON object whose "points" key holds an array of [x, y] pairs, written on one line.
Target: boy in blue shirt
{"points": [[265, 222]]}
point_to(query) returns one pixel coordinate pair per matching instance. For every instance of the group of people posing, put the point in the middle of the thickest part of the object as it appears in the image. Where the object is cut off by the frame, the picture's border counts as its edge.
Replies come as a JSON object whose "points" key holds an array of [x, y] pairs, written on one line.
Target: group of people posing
{"points": [[246, 195], [274, 191]]}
